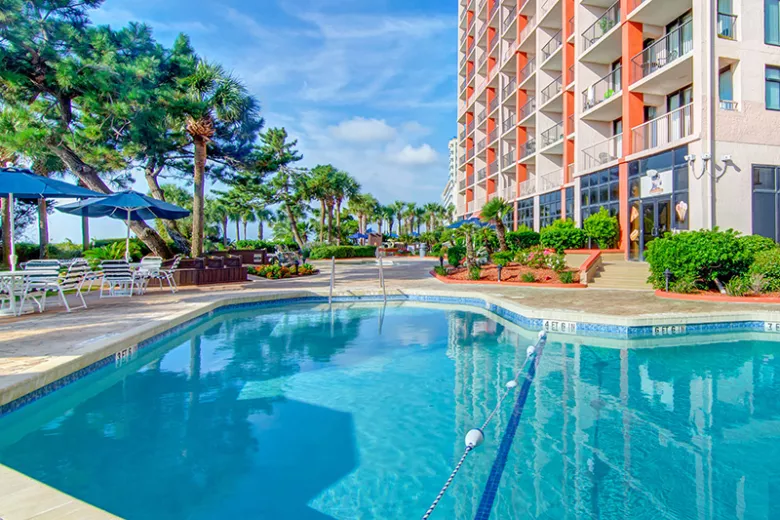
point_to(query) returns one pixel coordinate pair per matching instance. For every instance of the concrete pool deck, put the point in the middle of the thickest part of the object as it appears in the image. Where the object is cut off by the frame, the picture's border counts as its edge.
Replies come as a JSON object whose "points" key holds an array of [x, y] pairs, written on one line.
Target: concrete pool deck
{"points": [[36, 350]]}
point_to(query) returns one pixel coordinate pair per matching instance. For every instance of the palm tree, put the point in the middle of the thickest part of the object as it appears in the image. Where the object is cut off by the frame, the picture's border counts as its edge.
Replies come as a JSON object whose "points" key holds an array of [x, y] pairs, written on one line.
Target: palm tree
{"points": [[410, 214], [389, 214], [346, 187], [220, 211], [419, 214], [431, 211], [398, 208], [495, 211], [247, 215], [289, 187], [215, 98], [263, 215], [467, 231], [321, 187], [380, 212]]}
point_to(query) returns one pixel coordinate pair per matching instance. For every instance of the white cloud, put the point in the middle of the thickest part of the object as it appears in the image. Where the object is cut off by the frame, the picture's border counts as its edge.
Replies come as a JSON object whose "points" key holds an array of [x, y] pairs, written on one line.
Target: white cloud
{"points": [[411, 156], [361, 130], [120, 17]]}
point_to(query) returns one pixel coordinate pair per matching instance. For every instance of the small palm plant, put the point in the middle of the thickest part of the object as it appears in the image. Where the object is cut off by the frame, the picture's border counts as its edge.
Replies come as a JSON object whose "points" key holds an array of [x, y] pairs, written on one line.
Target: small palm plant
{"points": [[495, 211], [467, 231]]}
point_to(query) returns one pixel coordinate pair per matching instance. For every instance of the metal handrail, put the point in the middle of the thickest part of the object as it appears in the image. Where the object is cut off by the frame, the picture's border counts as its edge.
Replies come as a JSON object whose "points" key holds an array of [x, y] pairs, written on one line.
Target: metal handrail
{"points": [[664, 51], [526, 71], [603, 89], [552, 90], [332, 279], [382, 277], [552, 45], [552, 134], [602, 26], [526, 109], [510, 17], [727, 25]]}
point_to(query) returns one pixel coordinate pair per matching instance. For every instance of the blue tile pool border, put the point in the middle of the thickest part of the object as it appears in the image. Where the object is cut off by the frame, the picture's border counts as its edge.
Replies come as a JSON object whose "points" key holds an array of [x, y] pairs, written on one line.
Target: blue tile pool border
{"points": [[534, 324]]}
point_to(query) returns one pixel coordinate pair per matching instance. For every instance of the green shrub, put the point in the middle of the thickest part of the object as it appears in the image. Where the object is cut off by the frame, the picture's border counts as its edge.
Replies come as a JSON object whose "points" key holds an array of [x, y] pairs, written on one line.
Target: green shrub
{"points": [[322, 252], [686, 285], [522, 239], [65, 250], [528, 277], [602, 228], [134, 243], [112, 251], [739, 286], [255, 244], [755, 244], [539, 257], [475, 273], [697, 255], [561, 235], [767, 264], [436, 250], [555, 261], [26, 252], [455, 255], [566, 276], [503, 258], [441, 271]]}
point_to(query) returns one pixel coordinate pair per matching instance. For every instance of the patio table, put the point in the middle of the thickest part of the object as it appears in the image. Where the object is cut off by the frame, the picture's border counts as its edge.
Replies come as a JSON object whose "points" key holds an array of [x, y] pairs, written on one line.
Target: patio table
{"points": [[16, 279]]}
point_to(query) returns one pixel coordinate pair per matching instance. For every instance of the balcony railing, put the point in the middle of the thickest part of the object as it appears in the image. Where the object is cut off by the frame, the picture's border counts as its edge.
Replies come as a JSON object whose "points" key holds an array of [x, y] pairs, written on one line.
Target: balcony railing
{"points": [[664, 51], [469, 154], [462, 159], [570, 169], [493, 104], [527, 148], [493, 9], [600, 27], [528, 108], [481, 174], [470, 207], [664, 130], [549, 4], [529, 69], [481, 61], [552, 180], [481, 145], [470, 76], [481, 32], [528, 186], [508, 123], [481, 117], [552, 90], [493, 41], [529, 26], [462, 184], [570, 125], [470, 179], [551, 46], [731, 106], [470, 49], [510, 50], [727, 25], [509, 193], [492, 168], [509, 88], [492, 136], [510, 17], [602, 153], [508, 159], [552, 135], [602, 90], [464, 36], [469, 127], [570, 75]]}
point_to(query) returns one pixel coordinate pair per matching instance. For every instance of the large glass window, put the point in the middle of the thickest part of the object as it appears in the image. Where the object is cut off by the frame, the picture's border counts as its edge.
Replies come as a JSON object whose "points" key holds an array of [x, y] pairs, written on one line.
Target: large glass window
{"points": [[525, 213], [570, 202], [766, 201], [772, 22], [599, 190], [773, 88], [726, 85], [549, 208]]}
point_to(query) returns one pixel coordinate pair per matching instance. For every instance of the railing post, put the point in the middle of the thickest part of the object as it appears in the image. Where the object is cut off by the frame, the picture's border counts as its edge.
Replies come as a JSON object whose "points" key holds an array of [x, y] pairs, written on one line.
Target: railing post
{"points": [[332, 279]]}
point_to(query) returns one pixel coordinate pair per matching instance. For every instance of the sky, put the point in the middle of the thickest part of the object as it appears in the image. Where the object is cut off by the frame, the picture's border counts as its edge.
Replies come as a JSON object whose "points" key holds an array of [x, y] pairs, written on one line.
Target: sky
{"points": [[366, 85]]}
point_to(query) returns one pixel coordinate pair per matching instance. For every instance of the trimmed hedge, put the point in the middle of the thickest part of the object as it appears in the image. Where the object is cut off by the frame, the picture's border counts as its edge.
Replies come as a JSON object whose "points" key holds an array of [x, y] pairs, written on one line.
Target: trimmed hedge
{"points": [[522, 239], [602, 228], [767, 264], [323, 252], [562, 234]]}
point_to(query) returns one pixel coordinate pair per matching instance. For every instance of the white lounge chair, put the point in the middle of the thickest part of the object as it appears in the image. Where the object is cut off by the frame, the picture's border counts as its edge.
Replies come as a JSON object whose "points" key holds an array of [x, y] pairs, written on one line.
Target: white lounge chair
{"points": [[167, 274], [53, 281], [119, 278], [148, 270]]}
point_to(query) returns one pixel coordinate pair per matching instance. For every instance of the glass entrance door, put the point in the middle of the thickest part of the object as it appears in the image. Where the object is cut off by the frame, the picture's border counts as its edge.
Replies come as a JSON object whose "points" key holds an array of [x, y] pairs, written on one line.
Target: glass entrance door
{"points": [[656, 220]]}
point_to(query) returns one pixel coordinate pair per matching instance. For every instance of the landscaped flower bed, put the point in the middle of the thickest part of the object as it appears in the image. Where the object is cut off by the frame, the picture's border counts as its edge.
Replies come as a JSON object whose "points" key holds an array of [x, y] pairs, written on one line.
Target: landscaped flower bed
{"points": [[515, 273], [278, 272]]}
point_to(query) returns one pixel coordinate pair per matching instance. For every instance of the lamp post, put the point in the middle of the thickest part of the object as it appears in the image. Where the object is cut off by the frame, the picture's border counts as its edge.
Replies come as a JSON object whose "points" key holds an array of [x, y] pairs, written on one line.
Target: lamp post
{"points": [[441, 261], [667, 276], [499, 267]]}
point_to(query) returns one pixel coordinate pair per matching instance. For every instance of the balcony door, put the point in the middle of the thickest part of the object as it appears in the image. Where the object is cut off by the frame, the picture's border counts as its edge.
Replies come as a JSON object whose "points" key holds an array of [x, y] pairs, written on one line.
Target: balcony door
{"points": [[679, 37], [679, 120], [656, 220]]}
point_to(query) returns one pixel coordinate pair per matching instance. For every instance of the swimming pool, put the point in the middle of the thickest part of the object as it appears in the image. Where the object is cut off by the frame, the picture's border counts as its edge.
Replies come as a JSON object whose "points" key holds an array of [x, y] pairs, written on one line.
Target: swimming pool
{"points": [[298, 412]]}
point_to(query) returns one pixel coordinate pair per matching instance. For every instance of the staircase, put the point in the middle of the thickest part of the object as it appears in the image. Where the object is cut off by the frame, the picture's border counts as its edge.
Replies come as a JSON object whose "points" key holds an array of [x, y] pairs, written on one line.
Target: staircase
{"points": [[618, 273]]}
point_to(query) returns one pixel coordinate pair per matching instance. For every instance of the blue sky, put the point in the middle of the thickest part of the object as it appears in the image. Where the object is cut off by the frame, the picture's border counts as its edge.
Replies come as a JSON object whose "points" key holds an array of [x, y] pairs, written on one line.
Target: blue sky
{"points": [[369, 86]]}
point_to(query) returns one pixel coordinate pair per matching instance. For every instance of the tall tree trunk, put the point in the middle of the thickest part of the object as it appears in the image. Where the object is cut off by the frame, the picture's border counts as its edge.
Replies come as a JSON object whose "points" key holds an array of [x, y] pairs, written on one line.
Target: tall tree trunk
{"points": [[152, 172], [198, 200], [260, 229], [501, 232], [85, 245], [43, 229], [244, 222], [238, 229], [6, 226], [338, 221], [322, 220], [294, 226], [224, 231], [90, 178], [330, 222], [470, 256]]}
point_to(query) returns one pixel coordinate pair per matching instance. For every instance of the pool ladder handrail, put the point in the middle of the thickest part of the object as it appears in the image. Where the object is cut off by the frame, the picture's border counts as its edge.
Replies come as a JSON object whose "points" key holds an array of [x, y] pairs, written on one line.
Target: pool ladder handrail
{"points": [[382, 277], [332, 279]]}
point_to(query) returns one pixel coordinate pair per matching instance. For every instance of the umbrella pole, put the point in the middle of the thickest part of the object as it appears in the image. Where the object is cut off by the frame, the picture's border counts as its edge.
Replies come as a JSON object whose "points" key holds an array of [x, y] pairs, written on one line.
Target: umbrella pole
{"points": [[127, 241], [10, 230]]}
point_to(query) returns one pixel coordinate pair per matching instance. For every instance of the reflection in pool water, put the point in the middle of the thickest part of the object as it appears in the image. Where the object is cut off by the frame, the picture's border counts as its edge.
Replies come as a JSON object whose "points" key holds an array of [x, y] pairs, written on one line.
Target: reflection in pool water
{"points": [[306, 414]]}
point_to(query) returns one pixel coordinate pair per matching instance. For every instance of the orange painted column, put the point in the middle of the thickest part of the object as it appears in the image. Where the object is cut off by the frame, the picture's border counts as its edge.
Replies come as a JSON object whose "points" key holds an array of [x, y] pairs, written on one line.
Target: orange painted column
{"points": [[633, 115]]}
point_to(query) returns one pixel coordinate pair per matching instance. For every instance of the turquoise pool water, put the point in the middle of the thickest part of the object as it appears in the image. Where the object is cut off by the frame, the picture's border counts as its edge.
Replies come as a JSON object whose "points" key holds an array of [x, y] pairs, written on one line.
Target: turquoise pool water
{"points": [[300, 413]]}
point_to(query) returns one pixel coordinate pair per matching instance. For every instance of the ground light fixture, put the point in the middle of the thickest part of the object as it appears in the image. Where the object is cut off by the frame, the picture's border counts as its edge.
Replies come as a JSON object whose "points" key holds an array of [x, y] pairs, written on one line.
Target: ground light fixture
{"points": [[498, 267], [441, 261], [667, 276]]}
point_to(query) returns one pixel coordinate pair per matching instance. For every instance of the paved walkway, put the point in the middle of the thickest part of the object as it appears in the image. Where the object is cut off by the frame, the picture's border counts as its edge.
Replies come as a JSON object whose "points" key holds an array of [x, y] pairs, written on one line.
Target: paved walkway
{"points": [[37, 349]]}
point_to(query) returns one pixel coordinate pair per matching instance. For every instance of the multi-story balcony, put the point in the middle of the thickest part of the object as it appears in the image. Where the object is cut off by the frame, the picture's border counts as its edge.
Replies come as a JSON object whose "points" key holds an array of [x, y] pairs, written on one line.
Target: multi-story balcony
{"points": [[469, 127], [462, 185], [528, 186], [510, 18], [525, 32], [552, 135], [509, 193], [551, 181], [470, 179], [492, 168], [602, 153], [492, 136], [462, 159], [603, 93], [481, 174], [470, 76], [509, 88], [470, 206], [657, 12], [508, 123], [528, 109], [481, 117], [469, 154], [508, 159], [481, 145], [527, 71], [493, 104], [602, 26], [663, 131], [527, 148], [493, 41], [552, 46], [494, 9], [727, 25], [548, 6], [661, 67], [552, 90]]}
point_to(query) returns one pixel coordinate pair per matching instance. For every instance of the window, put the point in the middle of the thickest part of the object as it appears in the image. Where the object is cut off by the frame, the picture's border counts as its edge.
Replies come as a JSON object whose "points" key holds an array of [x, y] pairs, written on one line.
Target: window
{"points": [[726, 20], [773, 88], [772, 22], [766, 201], [549, 208], [726, 85], [599, 190], [525, 213], [570, 202]]}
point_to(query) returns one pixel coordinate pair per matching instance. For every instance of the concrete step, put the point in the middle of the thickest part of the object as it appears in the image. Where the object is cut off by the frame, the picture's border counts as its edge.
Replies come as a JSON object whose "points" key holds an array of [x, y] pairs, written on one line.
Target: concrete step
{"points": [[617, 273]]}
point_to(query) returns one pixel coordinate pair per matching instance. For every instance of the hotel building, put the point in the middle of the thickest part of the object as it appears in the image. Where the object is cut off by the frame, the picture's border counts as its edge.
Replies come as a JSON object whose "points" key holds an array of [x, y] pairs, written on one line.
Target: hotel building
{"points": [[665, 112], [448, 195]]}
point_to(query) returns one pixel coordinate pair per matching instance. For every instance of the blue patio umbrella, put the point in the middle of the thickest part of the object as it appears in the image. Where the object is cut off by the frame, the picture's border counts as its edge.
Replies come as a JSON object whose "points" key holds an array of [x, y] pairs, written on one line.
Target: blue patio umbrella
{"points": [[473, 220], [24, 184], [358, 236], [125, 205], [393, 235]]}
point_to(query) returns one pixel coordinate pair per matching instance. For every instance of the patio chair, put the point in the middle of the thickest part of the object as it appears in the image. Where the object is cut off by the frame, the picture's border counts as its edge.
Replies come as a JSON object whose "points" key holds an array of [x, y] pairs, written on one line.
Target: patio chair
{"points": [[51, 281], [148, 270], [119, 278], [91, 275], [167, 273], [40, 264]]}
